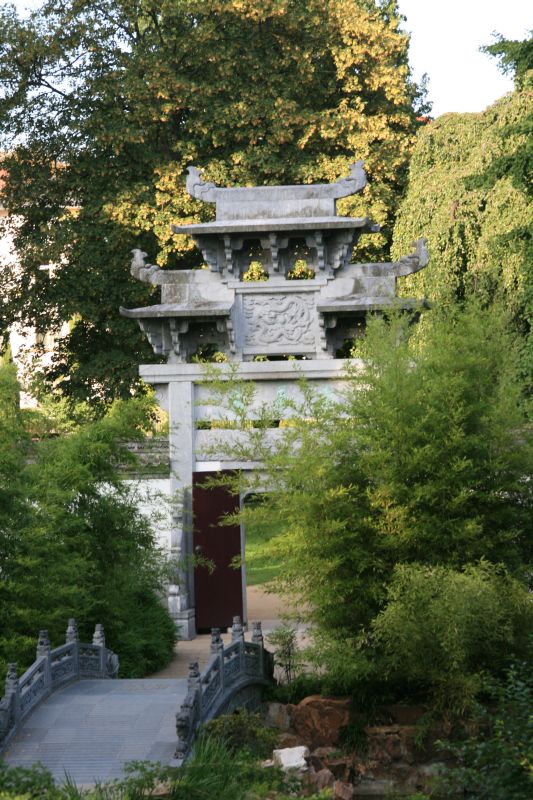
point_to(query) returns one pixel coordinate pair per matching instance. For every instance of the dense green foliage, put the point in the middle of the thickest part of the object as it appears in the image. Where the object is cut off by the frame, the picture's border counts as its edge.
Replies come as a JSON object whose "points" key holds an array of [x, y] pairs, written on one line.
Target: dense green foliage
{"points": [[212, 771], [74, 543], [445, 629], [469, 193], [105, 104], [496, 761], [424, 461], [242, 732]]}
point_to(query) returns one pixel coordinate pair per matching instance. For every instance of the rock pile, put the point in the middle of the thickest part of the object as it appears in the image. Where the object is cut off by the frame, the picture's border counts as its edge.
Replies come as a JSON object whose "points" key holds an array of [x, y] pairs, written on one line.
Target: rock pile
{"points": [[388, 758]]}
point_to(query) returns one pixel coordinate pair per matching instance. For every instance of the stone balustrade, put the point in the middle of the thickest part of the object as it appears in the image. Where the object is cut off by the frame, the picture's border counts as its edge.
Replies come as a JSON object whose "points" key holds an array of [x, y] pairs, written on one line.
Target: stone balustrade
{"points": [[52, 669], [233, 678]]}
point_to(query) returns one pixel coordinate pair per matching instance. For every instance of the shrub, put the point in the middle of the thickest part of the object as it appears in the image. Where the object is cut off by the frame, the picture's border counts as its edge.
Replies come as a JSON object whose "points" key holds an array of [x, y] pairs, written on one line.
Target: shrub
{"points": [[34, 782], [287, 655], [242, 732], [497, 762], [442, 629]]}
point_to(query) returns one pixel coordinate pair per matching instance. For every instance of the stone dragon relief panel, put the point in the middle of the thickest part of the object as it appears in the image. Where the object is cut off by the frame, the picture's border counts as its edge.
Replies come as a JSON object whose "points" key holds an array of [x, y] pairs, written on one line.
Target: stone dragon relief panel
{"points": [[276, 321]]}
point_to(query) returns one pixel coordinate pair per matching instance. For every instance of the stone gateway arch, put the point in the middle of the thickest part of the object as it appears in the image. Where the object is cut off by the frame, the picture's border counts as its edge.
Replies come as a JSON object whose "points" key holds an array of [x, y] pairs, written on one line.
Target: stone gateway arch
{"points": [[271, 319]]}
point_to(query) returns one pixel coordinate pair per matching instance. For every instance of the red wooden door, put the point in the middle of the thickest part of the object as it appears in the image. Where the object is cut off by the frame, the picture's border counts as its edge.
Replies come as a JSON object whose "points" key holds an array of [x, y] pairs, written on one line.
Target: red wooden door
{"points": [[218, 595]]}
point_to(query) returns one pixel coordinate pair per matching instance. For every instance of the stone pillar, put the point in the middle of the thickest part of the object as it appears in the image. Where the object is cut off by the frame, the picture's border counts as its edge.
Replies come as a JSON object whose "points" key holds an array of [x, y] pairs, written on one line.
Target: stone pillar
{"points": [[181, 439], [216, 642], [43, 651], [72, 632], [12, 694], [257, 633], [237, 631], [193, 678], [99, 640], [72, 637]]}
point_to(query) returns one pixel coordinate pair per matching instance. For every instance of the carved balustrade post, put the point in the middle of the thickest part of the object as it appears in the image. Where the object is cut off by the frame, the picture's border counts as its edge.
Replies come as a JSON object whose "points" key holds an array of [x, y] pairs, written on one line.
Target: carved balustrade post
{"points": [[237, 635], [216, 641], [217, 649], [12, 694], [257, 634], [72, 632], [99, 640], [72, 637], [194, 686], [237, 631], [193, 678], [257, 638], [43, 651]]}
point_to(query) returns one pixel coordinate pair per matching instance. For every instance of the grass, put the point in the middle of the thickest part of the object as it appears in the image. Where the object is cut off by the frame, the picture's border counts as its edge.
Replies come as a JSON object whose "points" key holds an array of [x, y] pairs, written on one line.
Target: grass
{"points": [[261, 566]]}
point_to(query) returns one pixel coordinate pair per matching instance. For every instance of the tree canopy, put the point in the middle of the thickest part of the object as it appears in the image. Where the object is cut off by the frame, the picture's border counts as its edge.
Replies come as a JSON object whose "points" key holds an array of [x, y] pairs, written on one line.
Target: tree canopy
{"points": [[469, 193], [106, 103], [72, 540]]}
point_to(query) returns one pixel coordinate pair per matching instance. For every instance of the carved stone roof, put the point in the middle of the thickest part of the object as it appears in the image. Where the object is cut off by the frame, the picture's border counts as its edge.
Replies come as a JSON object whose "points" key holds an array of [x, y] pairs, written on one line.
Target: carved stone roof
{"points": [[276, 202]]}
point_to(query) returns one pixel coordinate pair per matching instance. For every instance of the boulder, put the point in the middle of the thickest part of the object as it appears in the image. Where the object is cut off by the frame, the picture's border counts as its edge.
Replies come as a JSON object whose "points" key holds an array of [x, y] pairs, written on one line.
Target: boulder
{"points": [[289, 740], [318, 720], [277, 716], [341, 767], [378, 789], [323, 752], [342, 791], [387, 743], [323, 779], [291, 758]]}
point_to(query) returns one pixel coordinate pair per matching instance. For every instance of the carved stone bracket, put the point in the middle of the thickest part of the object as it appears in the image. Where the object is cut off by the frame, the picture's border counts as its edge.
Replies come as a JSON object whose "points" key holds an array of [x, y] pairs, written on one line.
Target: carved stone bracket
{"points": [[340, 246], [208, 246], [177, 328], [316, 242], [225, 325], [153, 328], [274, 243], [325, 322]]}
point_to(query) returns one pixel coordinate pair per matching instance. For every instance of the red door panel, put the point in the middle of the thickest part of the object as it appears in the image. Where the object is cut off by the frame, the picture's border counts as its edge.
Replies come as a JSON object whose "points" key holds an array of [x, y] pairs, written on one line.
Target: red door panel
{"points": [[218, 595]]}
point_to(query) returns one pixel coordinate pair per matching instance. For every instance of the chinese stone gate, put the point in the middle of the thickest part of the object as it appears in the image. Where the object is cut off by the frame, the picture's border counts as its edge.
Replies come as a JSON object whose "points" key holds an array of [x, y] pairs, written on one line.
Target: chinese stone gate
{"points": [[276, 317]]}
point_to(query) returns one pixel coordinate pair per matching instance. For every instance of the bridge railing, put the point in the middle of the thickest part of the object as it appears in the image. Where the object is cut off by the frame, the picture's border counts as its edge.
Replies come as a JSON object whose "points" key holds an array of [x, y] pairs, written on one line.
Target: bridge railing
{"points": [[233, 678], [51, 669]]}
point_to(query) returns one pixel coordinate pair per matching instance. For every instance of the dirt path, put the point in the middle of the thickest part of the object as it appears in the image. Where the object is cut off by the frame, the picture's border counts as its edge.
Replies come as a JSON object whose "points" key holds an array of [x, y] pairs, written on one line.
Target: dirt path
{"points": [[261, 606]]}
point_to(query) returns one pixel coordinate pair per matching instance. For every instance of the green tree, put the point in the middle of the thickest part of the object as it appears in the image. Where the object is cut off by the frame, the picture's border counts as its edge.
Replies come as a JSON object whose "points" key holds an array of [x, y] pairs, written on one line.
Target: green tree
{"points": [[105, 104], [14, 509], [424, 461], [77, 544], [469, 194]]}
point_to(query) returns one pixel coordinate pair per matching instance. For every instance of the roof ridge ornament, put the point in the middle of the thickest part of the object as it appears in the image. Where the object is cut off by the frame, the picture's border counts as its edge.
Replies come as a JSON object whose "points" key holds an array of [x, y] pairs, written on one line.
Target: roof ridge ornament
{"points": [[209, 192]]}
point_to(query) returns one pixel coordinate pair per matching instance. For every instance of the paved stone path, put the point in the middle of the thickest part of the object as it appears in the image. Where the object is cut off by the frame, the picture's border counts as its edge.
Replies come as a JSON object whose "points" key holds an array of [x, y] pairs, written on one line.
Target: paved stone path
{"points": [[90, 728]]}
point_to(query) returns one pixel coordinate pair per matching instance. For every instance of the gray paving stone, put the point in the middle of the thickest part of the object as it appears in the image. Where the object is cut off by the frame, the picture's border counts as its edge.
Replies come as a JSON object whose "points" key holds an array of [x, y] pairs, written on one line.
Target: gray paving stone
{"points": [[90, 729]]}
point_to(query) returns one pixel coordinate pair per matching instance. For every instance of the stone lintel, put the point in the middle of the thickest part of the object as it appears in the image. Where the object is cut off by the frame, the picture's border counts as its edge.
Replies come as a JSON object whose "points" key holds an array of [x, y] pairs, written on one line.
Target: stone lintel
{"points": [[294, 224], [354, 305], [171, 310], [281, 287], [313, 369], [370, 304]]}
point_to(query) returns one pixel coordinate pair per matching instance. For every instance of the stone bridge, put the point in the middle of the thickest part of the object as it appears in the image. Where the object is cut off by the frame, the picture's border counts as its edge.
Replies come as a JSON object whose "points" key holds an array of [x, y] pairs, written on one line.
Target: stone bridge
{"points": [[64, 713]]}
